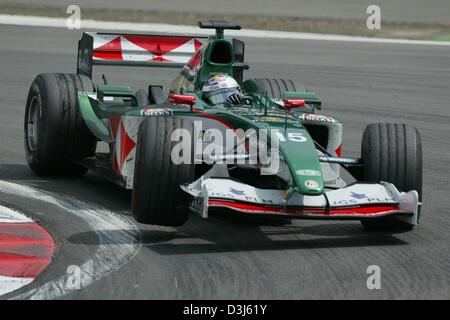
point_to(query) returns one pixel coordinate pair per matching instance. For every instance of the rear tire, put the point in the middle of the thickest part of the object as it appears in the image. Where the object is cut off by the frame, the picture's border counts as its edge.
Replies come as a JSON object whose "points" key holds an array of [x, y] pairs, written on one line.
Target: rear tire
{"points": [[157, 196], [392, 153], [55, 132], [276, 87]]}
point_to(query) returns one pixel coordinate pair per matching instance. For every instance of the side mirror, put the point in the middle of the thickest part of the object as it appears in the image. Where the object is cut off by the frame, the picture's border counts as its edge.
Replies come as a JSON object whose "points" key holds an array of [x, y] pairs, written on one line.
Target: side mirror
{"points": [[290, 103], [182, 99]]}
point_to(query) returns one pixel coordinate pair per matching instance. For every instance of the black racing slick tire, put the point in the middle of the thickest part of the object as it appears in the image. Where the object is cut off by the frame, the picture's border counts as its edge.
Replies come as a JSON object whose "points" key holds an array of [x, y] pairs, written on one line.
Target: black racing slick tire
{"points": [[157, 197], [55, 132], [392, 152], [276, 87]]}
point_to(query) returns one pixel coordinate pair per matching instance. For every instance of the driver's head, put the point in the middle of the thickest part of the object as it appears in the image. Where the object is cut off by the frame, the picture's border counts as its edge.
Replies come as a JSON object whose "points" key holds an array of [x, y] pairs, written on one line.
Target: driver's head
{"points": [[221, 89]]}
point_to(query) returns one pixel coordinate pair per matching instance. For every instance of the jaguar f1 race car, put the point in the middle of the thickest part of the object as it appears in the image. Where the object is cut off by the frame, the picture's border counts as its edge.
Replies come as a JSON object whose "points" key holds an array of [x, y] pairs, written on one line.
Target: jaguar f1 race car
{"points": [[155, 141]]}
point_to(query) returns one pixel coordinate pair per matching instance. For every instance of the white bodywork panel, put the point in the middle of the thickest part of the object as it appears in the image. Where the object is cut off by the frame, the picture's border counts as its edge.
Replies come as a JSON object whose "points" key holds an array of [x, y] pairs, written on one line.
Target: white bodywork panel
{"points": [[353, 196]]}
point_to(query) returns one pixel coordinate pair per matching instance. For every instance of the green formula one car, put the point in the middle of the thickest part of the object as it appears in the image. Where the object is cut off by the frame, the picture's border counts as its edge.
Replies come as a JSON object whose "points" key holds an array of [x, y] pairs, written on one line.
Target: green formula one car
{"points": [[215, 140]]}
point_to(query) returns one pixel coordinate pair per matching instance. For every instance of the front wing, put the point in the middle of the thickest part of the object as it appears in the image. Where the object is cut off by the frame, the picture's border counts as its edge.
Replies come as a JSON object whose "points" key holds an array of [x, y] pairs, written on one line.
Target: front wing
{"points": [[356, 201]]}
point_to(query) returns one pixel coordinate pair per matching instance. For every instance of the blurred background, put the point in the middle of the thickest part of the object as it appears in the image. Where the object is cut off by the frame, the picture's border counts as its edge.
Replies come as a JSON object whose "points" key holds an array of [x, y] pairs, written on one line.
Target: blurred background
{"points": [[412, 19]]}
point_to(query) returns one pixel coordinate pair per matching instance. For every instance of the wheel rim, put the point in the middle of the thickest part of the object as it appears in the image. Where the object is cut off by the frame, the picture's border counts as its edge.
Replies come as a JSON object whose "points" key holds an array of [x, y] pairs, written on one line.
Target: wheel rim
{"points": [[32, 124]]}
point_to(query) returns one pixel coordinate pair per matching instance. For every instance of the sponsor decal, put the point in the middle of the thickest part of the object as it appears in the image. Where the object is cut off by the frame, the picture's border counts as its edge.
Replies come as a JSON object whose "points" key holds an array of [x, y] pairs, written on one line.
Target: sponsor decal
{"points": [[90, 94], [275, 119], [229, 157], [367, 200], [344, 202], [358, 195], [316, 117], [156, 112], [84, 65], [237, 192], [381, 200], [238, 195], [339, 160], [270, 119], [311, 184], [308, 172], [243, 111]]}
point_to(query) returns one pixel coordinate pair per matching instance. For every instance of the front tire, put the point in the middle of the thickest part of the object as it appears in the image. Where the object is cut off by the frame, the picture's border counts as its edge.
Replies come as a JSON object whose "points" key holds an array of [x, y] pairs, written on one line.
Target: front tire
{"points": [[157, 196], [392, 153]]}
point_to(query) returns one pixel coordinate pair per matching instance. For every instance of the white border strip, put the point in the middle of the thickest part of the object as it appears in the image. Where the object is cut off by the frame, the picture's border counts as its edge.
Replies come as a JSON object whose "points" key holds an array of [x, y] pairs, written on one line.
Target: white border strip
{"points": [[9, 284], [23, 20], [8, 215]]}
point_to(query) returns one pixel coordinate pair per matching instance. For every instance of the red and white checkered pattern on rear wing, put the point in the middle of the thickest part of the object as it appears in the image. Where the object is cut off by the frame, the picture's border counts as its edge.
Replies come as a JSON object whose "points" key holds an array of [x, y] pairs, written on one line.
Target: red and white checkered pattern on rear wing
{"points": [[139, 50]]}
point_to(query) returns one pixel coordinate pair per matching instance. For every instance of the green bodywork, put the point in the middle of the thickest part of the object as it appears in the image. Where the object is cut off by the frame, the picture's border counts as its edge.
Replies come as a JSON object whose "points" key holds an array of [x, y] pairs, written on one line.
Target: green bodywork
{"points": [[299, 152]]}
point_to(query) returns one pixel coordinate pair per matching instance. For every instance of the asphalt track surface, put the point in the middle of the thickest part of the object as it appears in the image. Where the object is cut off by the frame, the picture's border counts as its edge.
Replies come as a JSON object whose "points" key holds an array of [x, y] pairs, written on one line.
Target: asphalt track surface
{"points": [[431, 11], [227, 257]]}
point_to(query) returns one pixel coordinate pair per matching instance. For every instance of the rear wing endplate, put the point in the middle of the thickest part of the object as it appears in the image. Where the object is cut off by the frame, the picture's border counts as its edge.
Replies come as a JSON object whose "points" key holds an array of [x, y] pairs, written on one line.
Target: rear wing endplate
{"points": [[135, 50]]}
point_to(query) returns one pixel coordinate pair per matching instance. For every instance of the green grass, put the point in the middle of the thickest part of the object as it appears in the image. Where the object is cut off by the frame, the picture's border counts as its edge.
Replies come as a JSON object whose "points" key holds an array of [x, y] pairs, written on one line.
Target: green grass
{"points": [[444, 37]]}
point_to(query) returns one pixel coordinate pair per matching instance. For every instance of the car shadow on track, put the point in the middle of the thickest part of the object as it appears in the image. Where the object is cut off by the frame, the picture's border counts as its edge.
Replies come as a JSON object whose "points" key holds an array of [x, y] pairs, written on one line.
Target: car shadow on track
{"points": [[222, 232], [230, 233]]}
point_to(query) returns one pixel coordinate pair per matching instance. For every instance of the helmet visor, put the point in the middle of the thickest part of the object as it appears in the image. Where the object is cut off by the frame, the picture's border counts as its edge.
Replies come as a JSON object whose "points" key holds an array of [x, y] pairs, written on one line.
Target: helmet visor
{"points": [[220, 96]]}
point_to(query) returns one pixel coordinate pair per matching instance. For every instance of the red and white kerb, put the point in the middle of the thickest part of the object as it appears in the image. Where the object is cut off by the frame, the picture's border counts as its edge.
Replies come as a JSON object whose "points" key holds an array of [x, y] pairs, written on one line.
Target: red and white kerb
{"points": [[26, 249]]}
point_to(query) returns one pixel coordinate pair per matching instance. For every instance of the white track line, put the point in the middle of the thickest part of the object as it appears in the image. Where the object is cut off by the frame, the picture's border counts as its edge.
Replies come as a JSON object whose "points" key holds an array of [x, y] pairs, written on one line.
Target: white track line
{"points": [[180, 29], [9, 284], [8, 215], [118, 240]]}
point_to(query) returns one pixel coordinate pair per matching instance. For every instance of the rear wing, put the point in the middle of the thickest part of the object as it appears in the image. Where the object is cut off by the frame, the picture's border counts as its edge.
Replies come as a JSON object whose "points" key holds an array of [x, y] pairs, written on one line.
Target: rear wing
{"points": [[135, 50]]}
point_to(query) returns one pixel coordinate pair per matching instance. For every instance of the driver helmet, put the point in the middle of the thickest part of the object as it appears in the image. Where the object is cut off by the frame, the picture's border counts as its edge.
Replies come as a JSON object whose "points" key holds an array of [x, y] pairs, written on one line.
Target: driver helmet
{"points": [[221, 89]]}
